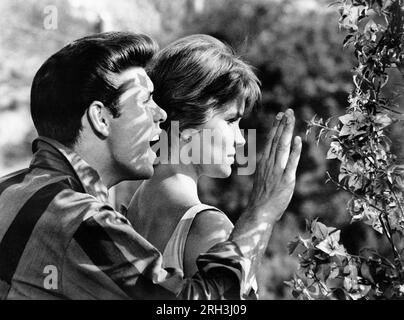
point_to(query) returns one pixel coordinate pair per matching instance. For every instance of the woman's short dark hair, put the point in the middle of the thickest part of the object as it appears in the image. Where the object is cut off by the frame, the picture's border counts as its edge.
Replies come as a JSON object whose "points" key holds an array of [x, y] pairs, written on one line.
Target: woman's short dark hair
{"points": [[197, 74], [71, 79]]}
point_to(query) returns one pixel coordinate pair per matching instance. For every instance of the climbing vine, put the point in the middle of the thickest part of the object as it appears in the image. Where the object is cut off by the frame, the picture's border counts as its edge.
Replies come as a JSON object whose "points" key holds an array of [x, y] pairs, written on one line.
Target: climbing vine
{"points": [[368, 170]]}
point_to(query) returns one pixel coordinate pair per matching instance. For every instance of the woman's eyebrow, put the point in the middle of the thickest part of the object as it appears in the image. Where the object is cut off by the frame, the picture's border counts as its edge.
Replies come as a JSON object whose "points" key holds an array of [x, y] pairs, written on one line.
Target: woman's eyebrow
{"points": [[234, 114]]}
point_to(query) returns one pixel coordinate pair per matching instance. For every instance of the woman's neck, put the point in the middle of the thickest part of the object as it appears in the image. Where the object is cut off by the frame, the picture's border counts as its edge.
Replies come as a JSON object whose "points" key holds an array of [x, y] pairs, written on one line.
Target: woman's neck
{"points": [[178, 184]]}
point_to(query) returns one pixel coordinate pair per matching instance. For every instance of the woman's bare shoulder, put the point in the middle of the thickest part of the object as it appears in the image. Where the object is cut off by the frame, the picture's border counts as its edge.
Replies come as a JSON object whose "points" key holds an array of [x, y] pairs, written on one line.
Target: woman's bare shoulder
{"points": [[210, 221], [208, 228]]}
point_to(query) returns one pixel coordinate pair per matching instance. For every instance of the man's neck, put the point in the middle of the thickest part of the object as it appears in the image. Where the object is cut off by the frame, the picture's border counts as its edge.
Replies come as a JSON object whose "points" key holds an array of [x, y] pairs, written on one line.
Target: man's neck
{"points": [[96, 160]]}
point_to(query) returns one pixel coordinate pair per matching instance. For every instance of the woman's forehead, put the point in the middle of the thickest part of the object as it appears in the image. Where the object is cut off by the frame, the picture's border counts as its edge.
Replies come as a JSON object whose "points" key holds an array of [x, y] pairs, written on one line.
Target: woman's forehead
{"points": [[235, 106]]}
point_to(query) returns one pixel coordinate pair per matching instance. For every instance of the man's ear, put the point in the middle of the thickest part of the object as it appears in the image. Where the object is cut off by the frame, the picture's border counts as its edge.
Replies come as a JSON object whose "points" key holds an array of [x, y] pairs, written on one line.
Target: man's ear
{"points": [[99, 117]]}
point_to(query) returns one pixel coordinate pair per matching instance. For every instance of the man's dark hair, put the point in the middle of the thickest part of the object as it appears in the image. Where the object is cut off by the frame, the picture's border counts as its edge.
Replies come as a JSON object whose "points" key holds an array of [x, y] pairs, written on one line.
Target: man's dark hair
{"points": [[80, 73]]}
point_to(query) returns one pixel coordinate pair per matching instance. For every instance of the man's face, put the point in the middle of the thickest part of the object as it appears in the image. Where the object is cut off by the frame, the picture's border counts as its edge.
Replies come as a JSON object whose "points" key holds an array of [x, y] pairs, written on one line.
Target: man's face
{"points": [[137, 125]]}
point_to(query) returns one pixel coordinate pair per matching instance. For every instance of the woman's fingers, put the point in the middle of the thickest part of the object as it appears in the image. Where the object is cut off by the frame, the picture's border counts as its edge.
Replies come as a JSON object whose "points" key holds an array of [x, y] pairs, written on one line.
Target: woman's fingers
{"points": [[265, 164], [291, 167], [271, 135], [284, 142], [274, 181]]}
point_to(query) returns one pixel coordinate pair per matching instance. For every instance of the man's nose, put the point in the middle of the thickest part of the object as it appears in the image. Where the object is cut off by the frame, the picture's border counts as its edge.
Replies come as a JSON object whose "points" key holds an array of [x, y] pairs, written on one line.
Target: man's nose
{"points": [[159, 115]]}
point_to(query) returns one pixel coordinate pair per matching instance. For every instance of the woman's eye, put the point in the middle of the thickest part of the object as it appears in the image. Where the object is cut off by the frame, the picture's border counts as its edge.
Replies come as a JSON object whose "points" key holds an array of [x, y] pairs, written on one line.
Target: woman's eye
{"points": [[230, 121]]}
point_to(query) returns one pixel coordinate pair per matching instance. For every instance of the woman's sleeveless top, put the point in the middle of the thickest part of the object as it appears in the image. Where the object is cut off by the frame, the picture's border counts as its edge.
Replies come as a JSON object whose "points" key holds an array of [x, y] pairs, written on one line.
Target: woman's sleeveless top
{"points": [[173, 255]]}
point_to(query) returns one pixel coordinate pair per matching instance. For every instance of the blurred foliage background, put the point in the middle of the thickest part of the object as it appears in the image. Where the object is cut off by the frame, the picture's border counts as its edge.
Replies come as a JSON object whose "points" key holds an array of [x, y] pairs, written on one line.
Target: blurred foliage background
{"points": [[296, 48]]}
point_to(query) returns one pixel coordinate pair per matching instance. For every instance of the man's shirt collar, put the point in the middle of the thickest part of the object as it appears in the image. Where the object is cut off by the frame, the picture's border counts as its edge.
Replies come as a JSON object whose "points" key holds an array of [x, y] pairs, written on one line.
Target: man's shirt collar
{"points": [[52, 155]]}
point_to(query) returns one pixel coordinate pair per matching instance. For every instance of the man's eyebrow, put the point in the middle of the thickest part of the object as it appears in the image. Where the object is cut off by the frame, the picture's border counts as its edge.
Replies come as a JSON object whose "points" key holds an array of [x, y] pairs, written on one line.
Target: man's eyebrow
{"points": [[128, 84], [150, 95]]}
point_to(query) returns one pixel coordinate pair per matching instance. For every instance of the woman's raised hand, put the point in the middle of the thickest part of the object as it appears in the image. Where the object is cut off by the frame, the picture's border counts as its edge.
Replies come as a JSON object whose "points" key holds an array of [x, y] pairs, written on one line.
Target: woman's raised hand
{"points": [[276, 172]]}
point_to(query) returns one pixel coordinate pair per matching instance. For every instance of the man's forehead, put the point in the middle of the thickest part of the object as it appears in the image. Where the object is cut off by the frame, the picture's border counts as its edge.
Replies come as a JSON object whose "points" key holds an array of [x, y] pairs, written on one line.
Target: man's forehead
{"points": [[135, 77]]}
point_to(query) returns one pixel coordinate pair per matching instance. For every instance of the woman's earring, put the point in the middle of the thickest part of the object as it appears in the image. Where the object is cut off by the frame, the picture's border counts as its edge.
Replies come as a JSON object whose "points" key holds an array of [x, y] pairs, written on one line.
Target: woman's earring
{"points": [[186, 138]]}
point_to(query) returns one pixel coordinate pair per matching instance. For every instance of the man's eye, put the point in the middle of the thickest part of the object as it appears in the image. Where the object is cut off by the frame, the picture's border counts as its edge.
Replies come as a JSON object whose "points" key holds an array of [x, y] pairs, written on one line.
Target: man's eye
{"points": [[149, 98]]}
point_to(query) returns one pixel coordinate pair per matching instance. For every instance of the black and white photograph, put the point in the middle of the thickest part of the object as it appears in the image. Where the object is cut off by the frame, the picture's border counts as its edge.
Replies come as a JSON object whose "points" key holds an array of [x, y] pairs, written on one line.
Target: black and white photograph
{"points": [[203, 150]]}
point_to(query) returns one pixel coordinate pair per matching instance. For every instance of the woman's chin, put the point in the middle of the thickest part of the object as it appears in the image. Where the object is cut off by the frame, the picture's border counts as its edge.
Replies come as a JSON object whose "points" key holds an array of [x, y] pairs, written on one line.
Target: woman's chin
{"points": [[222, 172]]}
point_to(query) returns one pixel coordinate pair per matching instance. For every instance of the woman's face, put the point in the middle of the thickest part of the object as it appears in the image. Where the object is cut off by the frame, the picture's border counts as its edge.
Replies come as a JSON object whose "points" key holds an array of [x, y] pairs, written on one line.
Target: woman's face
{"points": [[218, 139]]}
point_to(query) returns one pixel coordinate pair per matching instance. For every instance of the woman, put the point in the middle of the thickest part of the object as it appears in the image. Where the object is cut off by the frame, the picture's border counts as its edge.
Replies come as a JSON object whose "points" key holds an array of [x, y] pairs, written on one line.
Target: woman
{"points": [[205, 89]]}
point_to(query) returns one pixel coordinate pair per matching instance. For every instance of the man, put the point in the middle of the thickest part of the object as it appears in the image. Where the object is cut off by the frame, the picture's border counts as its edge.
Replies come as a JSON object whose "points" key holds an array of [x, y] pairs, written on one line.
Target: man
{"points": [[92, 106]]}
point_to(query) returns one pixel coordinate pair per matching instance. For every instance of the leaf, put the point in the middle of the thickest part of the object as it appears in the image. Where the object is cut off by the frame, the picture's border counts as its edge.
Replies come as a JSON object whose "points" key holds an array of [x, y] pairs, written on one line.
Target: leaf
{"points": [[323, 272], [370, 30], [334, 271], [345, 119], [319, 230], [292, 245], [331, 245], [296, 294], [382, 120], [398, 176], [345, 131], [309, 223], [348, 40], [365, 272], [305, 242], [334, 151]]}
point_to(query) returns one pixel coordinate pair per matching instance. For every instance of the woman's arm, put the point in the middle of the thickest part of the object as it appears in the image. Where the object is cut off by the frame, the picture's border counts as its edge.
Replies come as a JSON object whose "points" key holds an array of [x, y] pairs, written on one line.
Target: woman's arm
{"points": [[208, 228]]}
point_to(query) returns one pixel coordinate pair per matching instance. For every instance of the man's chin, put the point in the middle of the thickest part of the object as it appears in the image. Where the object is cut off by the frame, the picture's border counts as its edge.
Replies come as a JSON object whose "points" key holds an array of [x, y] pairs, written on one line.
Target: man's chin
{"points": [[145, 174], [142, 171]]}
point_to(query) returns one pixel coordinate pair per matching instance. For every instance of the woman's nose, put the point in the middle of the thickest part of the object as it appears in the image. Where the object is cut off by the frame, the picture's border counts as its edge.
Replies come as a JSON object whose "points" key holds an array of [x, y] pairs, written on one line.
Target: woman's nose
{"points": [[239, 138]]}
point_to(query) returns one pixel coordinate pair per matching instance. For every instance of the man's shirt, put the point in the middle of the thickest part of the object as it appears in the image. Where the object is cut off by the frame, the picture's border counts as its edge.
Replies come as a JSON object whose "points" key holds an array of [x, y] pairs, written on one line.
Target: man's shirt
{"points": [[60, 239]]}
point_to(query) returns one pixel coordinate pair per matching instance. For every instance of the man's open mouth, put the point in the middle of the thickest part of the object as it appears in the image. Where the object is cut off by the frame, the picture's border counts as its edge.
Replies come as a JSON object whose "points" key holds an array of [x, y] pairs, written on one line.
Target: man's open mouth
{"points": [[154, 140]]}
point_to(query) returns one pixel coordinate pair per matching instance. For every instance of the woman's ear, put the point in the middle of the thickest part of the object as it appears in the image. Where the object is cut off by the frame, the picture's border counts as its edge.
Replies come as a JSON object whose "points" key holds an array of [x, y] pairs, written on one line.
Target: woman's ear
{"points": [[99, 119], [185, 137], [187, 134]]}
